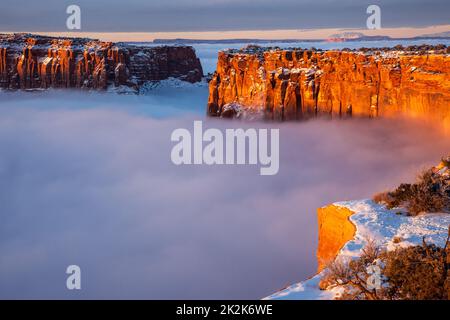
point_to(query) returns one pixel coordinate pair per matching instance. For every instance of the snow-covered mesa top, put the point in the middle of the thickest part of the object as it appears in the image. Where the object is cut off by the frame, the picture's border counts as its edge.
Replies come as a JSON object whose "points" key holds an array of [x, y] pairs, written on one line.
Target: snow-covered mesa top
{"points": [[373, 221]]}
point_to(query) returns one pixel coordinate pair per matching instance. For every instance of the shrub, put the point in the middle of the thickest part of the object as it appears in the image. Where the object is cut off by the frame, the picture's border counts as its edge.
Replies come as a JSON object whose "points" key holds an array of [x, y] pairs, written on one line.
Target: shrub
{"points": [[397, 240], [382, 197], [412, 273], [446, 162], [416, 273], [353, 275], [431, 193], [427, 194]]}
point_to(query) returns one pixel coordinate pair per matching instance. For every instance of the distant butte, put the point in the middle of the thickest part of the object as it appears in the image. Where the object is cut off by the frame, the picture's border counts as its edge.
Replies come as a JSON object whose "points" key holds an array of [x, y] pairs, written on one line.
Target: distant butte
{"points": [[30, 61]]}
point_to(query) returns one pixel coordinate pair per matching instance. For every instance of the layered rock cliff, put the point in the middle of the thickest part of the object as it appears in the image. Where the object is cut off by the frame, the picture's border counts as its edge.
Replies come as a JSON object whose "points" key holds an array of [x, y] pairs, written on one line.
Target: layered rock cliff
{"points": [[298, 84], [29, 61]]}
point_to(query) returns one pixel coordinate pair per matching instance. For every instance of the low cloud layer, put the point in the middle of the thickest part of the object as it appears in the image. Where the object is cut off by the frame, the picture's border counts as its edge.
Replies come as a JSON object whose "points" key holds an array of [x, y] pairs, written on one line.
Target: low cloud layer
{"points": [[91, 183]]}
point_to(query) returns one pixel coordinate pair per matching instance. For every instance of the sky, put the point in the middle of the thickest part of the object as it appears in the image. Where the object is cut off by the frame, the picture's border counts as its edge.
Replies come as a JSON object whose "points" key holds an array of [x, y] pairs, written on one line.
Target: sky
{"points": [[234, 17]]}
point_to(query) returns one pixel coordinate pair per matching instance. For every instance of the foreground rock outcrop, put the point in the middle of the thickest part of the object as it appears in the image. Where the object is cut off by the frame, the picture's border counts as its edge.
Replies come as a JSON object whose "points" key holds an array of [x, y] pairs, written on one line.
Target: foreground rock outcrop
{"points": [[335, 230], [297, 84], [346, 228], [370, 221], [29, 61]]}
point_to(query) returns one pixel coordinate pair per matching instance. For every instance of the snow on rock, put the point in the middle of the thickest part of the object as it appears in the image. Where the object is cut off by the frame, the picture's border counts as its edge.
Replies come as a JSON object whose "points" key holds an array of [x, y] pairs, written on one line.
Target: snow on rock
{"points": [[121, 89], [170, 83], [149, 86], [374, 222]]}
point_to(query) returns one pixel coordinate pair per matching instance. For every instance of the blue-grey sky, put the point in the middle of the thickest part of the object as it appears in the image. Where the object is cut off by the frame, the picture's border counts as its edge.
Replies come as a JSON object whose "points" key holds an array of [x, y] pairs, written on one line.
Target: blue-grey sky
{"points": [[214, 15]]}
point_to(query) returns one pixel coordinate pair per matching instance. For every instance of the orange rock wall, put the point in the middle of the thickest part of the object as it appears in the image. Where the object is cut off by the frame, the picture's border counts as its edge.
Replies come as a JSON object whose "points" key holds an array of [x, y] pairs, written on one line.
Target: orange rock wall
{"points": [[335, 230], [28, 61], [297, 84]]}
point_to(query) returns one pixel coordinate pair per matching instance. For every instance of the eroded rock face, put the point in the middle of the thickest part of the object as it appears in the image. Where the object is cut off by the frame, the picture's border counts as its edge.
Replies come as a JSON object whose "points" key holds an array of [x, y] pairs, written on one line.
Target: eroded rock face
{"points": [[335, 230], [298, 84], [28, 61]]}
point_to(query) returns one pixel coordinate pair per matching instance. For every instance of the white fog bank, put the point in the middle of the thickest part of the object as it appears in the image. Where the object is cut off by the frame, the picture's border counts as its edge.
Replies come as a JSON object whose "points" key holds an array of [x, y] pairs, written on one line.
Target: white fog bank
{"points": [[87, 180]]}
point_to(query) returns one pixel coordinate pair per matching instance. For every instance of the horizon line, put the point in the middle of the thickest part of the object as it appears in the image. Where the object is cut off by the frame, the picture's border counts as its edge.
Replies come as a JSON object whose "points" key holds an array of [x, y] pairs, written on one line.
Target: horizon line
{"points": [[275, 34]]}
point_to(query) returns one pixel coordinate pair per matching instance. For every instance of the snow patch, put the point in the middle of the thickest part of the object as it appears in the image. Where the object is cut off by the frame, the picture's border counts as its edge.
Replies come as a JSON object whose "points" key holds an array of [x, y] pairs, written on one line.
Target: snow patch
{"points": [[170, 83], [306, 290]]}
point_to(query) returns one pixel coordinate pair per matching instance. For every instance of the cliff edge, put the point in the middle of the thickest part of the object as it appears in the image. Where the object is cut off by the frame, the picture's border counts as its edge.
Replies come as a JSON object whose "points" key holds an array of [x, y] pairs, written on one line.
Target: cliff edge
{"points": [[296, 84], [370, 221], [30, 61], [335, 230]]}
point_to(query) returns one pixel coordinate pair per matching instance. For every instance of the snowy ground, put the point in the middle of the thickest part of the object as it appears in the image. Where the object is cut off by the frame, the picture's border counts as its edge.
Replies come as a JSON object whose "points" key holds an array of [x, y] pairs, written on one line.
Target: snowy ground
{"points": [[374, 221]]}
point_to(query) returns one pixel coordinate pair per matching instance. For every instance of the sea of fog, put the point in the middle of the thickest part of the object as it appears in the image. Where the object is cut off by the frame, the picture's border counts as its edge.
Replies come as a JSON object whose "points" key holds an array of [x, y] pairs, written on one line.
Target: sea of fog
{"points": [[86, 178]]}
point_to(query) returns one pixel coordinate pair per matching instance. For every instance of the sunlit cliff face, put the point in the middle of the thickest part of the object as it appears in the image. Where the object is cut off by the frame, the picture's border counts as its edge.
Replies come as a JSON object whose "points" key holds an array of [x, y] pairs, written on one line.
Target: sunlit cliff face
{"points": [[40, 62], [300, 84], [87, 179]]}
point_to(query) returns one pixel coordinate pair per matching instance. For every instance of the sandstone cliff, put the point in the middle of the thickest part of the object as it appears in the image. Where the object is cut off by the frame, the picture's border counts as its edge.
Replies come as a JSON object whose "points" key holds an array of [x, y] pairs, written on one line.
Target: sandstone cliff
{"points": [[297, 84], [335, 230], [28, 61]]}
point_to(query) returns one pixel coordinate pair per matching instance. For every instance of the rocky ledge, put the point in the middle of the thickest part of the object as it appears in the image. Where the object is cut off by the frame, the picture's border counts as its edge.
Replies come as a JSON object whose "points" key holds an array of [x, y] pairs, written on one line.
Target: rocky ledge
{"points": [[345, 228], [369, 221], [31, 61], [292, 84]]}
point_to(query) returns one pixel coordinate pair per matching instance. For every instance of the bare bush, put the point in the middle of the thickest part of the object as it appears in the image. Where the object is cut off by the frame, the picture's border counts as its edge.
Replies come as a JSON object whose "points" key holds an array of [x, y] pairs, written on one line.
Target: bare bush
{"points": [[413, 273], [416, 273], [383, 197], [431, 193], [428, 195], [353, 274]]}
